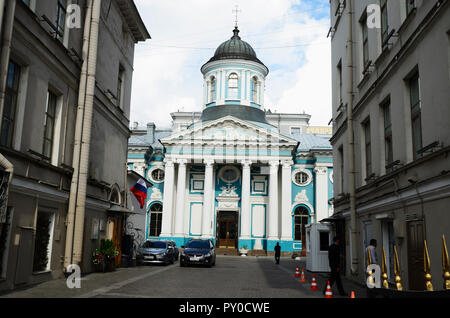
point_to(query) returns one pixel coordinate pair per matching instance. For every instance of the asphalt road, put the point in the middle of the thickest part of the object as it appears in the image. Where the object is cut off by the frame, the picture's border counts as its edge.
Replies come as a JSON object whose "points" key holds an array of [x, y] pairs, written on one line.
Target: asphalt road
{"points": [[232, 277]]}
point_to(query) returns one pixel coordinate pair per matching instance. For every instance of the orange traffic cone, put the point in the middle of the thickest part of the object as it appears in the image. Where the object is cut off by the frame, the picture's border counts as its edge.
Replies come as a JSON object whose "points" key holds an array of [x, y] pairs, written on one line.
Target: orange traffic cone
{"points": [[352, 295], [297, 273], [302, 277], [314, 284], [328, 292]]}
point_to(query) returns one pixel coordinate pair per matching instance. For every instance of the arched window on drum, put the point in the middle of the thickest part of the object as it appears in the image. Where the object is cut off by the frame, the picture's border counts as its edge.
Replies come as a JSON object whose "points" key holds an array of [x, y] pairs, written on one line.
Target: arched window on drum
{"points": [[212, 90], [254, 90], [155, 220], [233, 86], [301, 219]]}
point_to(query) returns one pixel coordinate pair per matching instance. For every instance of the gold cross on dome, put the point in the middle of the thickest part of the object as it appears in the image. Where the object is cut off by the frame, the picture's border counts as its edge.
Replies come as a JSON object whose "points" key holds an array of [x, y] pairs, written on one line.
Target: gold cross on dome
{"points": [[236, 11]]}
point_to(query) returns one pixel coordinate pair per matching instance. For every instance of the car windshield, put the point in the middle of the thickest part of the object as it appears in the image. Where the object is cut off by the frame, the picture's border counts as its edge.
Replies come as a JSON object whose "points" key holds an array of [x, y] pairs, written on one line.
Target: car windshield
{"points": [[198, 244], [154, 244]]}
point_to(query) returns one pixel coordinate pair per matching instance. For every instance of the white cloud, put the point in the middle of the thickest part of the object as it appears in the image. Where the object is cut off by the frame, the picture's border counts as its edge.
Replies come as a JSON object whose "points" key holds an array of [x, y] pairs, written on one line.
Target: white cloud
{"points": [[167, 79]]}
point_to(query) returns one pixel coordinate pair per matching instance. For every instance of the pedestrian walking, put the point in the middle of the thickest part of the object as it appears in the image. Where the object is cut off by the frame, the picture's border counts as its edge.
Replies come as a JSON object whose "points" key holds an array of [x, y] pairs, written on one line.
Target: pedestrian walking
{"points": [[373, 253], [277, 253], [334, 259]]}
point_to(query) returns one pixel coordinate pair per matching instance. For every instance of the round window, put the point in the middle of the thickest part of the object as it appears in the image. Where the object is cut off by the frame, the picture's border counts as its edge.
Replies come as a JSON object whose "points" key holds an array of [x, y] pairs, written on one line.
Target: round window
{"points": [[229, 174], [158, 175], [301, 178]]}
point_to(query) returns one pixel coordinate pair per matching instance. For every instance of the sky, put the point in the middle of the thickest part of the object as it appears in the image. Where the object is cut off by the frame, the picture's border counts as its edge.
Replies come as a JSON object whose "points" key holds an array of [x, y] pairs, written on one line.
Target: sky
{"points": [[289, 37]]}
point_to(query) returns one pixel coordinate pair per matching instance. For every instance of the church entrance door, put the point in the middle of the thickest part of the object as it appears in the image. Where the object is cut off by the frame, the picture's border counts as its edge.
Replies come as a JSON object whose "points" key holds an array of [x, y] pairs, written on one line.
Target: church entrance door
{"points": [[227, 229]]}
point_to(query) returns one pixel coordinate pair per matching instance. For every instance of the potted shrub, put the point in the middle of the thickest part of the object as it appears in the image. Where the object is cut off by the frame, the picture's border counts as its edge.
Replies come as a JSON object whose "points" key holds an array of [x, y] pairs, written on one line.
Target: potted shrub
{"points": [[243, 251], [104, 257]]}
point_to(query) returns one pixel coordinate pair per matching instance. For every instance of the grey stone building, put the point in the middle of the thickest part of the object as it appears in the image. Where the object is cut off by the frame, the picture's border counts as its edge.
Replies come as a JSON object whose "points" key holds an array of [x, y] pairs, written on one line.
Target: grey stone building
{"points": [[66, 71], [391, 137]]}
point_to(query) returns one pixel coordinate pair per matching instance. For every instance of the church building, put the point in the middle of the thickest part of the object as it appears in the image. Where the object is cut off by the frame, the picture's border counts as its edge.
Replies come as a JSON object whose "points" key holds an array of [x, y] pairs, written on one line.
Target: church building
{"points": [[235, 173]]}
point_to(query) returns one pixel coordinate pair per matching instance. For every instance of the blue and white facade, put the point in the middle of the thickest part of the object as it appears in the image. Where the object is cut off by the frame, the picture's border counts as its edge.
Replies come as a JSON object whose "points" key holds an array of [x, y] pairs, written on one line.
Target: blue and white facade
{"points": [[234, 173]]}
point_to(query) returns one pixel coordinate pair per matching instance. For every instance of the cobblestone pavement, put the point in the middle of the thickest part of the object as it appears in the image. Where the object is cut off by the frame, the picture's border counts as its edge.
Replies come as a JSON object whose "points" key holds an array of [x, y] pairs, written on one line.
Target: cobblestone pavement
{"points": [[232, 277]]}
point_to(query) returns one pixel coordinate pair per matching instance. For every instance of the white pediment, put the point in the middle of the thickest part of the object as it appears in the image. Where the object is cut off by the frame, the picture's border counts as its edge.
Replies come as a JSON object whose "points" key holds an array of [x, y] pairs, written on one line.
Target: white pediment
{"points": [[230, 129]]}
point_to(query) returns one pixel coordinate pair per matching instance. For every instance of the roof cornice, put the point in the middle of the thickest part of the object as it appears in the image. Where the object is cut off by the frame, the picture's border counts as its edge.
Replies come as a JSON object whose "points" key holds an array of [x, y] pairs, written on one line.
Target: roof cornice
{"points": [[134, 20]]}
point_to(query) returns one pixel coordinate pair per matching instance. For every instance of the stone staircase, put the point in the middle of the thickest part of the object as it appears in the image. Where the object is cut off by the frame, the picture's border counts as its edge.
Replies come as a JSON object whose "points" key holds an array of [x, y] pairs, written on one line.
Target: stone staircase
{"points": [[227, 251]]}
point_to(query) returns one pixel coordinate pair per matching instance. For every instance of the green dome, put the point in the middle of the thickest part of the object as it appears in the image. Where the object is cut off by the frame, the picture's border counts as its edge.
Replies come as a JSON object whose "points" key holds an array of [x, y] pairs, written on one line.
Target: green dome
{"points": [[235, 48]]}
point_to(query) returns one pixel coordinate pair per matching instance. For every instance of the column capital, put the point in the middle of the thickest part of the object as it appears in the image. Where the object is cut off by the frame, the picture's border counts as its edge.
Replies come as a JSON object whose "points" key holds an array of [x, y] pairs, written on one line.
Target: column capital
{"points": [[274, 164], [246, 163], [169, 162], [209, 162], [287, 164], [181, 161], [320, 170]]}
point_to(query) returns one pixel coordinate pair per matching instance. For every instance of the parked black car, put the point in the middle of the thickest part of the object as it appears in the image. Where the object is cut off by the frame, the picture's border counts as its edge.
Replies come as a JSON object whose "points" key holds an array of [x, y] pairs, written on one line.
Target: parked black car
{"points": [[198, 251], [157, 251]]}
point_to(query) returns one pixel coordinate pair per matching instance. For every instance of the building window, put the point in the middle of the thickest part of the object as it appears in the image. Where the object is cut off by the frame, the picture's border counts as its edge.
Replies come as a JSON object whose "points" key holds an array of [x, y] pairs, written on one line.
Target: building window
{"points": [[155, 220], [384, 22], [339, 69], [212, 90], [233, 81], [341, 167], [115, 196], [120, 85], [61, 19], [254, 88], [42, 244], [158, 175], [365, 41], [295, 131], [49, 124], [301, 178], [9, 110], [388, 148], [301, 219], [368, 147], [324, 241], [229, 175], [410, 6], [416, 114]]}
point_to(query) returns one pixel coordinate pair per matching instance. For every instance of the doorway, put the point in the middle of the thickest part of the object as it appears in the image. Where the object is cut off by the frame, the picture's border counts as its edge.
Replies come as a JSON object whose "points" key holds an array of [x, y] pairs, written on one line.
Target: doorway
{"points": [[116, 224], [227, 229], [416, 234]]}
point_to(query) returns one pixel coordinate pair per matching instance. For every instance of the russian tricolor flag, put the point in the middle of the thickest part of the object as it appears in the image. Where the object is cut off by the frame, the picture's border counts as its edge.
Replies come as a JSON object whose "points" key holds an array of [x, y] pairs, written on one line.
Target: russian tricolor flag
{"points": [[140, 191]]}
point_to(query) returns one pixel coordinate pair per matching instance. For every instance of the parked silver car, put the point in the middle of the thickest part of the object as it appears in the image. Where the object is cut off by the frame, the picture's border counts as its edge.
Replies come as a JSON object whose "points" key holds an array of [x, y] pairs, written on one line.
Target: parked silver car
{"points": [[157, 251]]}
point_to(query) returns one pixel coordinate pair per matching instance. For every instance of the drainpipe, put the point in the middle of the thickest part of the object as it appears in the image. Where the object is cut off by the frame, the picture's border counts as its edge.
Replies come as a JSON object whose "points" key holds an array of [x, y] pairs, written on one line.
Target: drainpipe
{"points": [[86, 134], [6, 47], [74, 187], [351, 142]]}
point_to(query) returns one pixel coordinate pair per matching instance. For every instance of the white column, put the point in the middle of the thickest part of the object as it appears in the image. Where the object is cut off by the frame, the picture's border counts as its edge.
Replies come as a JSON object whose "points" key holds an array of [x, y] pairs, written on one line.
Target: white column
{"points": [[180, 206], [245, 201], [286, 194], [321, 186], [169, 174], [273, 201], [207, 200]]}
